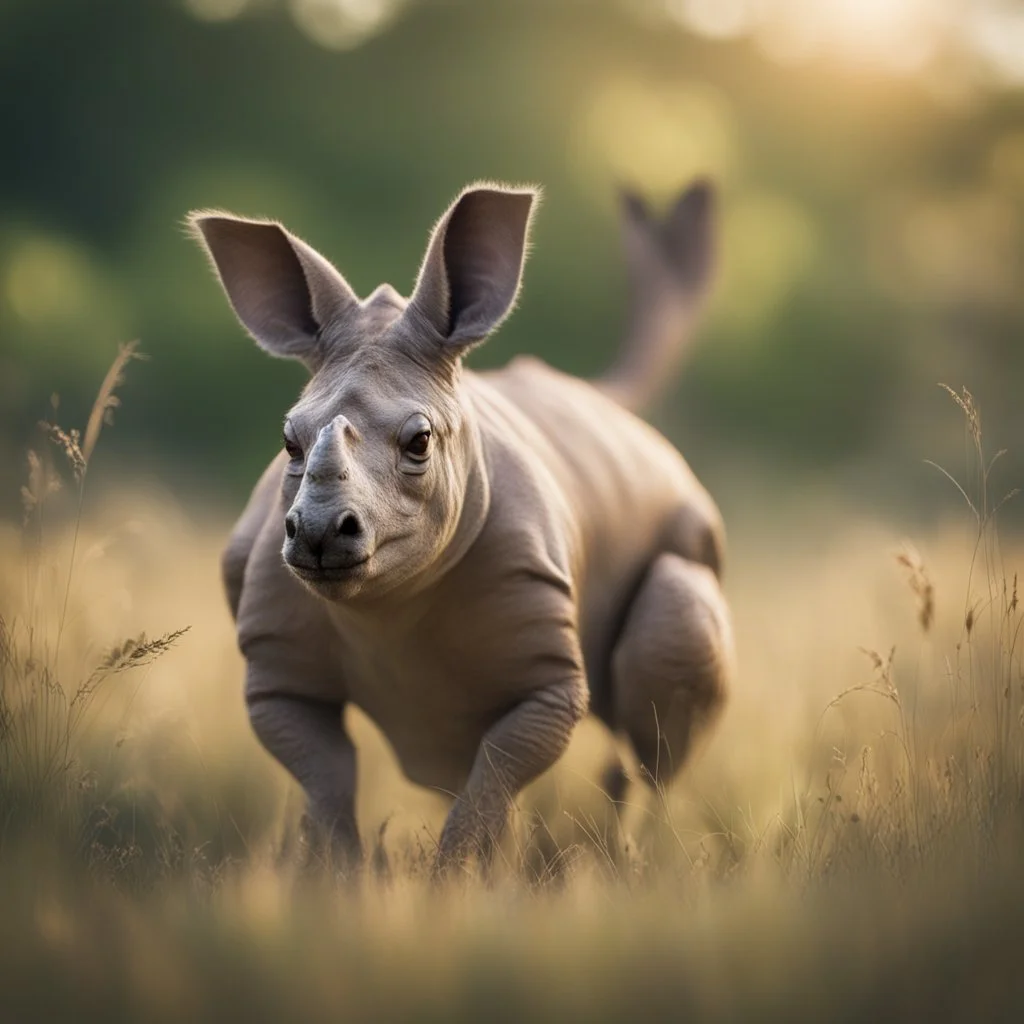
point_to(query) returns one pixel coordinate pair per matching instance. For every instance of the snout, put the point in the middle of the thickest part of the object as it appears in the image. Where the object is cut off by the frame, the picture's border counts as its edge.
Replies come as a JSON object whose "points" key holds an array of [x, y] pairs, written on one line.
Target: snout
{"points": [[325, 544]]}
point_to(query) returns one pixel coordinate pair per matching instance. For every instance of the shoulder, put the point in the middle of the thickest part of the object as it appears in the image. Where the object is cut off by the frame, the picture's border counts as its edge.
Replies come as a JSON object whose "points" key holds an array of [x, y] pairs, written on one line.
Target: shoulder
{"points": [[247, 529], [509, 609], [276, 614]]}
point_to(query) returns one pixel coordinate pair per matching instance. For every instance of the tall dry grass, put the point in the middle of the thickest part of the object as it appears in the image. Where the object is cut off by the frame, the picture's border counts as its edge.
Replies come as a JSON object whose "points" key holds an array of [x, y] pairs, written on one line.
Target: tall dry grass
{"points": [[846, 846]]}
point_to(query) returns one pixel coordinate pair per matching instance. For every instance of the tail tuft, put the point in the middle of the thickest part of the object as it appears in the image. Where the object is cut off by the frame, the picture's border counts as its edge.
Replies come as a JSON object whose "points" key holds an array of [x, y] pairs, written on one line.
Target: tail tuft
{"points": [[670, 266]]}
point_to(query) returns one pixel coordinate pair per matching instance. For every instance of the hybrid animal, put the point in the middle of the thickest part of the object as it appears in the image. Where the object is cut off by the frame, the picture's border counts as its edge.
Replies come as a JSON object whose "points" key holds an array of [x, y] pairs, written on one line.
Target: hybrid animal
{"points": [[473, 559]]}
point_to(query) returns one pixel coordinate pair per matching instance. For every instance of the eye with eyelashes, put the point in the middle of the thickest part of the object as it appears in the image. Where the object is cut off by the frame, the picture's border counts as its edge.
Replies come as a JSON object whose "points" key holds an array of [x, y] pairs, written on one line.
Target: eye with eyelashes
{"points": [[414, 441], [292, 447]]}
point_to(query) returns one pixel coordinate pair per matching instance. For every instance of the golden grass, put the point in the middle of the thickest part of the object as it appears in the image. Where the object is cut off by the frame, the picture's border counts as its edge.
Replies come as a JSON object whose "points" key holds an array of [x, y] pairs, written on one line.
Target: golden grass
{"points": [[846, 846]]}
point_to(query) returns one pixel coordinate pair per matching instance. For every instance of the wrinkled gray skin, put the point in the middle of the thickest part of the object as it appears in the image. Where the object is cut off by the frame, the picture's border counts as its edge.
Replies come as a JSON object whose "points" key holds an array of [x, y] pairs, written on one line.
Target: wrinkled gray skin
{"points": [[473, 559]]}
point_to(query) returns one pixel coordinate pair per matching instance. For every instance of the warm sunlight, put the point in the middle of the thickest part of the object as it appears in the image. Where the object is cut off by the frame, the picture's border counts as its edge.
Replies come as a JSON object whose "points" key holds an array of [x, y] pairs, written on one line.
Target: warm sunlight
{"points": [[598, 610], [894, 36], [342, 24], [901, 37], [897, 35]]}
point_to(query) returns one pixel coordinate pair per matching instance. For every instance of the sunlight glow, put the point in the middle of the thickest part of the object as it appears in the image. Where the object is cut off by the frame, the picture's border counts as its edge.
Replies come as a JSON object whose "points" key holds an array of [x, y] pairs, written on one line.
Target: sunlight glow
{"points": [[718, 19], [768, 246], [343, 24], [46, 279], [984, 38], [895, 36], [998, 33], [654, 137], [57, 294]]}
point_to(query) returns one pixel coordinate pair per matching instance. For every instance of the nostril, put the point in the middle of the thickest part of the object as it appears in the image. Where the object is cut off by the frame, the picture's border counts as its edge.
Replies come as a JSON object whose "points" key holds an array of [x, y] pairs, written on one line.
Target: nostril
{"points": [[291, 527], [349, 525]]}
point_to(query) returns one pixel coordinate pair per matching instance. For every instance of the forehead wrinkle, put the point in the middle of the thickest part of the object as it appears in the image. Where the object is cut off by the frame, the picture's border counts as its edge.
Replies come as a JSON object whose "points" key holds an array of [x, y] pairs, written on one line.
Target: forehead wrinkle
{"points": [[363, 323], [376, 391]]}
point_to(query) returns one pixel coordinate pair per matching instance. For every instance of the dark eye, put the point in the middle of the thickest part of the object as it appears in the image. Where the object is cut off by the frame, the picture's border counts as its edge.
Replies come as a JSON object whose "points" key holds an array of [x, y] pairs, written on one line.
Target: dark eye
{"points": [[293, 450], [419, 445], [414, 444]]}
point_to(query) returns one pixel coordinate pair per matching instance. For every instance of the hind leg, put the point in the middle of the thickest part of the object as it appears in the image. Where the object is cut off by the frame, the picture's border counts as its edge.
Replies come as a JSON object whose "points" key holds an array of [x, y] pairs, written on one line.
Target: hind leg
{"points": [[671, 664]]}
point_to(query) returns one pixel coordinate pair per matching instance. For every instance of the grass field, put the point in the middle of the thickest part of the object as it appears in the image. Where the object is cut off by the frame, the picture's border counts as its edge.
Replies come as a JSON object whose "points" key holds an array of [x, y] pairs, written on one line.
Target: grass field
{"points": [[847, 846]]}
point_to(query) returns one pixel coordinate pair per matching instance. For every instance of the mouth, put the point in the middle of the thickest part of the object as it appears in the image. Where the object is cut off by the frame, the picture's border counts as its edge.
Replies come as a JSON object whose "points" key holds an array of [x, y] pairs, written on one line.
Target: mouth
{"points": [[329, 573]]}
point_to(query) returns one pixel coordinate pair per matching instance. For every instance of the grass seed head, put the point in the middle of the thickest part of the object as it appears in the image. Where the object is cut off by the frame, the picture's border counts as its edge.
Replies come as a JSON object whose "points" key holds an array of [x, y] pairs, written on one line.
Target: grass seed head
{"points": [[965, 400], [920, 583], [41, 483], [70, 443], [106, 400]]}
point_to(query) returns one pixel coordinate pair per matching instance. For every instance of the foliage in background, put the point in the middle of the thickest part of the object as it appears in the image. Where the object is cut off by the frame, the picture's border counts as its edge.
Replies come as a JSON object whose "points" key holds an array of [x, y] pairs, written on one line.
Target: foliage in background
{"points": [[849, 845], [872, 243]]}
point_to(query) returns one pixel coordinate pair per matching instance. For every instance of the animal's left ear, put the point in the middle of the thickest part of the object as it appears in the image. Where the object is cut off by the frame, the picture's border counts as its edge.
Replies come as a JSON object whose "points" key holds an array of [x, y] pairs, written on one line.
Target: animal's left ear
{"points": [[282, 290], [470, 275]]}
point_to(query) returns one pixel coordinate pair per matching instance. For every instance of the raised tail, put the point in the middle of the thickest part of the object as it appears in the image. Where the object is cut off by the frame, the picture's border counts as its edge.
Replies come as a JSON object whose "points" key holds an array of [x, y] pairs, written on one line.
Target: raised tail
{"points": [[669, 264]]}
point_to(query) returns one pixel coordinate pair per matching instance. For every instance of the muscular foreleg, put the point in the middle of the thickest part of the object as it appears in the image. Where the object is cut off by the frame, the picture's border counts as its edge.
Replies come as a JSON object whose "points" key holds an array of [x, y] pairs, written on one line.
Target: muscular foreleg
{"points": [[309, 739], [515, 750]]}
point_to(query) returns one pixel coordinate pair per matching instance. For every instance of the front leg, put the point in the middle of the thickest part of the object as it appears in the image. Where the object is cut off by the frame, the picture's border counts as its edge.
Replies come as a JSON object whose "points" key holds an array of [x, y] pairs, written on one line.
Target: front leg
{"points": [[309, 739], [521, 745]]}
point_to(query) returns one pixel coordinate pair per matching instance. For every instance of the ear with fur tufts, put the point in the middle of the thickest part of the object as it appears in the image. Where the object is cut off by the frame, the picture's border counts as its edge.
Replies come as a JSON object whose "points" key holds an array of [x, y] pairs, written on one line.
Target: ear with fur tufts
{"points": [[471, 272], [282, 290]]}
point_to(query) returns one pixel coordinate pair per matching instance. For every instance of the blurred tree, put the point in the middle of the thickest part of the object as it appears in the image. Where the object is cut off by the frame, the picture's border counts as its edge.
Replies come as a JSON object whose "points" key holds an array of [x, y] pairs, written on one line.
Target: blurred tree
{"points": [[873, 205]]}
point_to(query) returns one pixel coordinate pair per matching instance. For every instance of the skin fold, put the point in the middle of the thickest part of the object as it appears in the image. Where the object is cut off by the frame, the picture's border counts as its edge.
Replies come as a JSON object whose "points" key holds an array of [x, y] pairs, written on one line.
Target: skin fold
{"points": [[476, 560]]}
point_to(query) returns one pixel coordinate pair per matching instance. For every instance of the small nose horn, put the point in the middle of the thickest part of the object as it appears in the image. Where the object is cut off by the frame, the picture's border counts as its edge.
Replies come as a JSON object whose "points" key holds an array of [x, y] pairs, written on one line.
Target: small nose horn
{"points": [[349, 525]]}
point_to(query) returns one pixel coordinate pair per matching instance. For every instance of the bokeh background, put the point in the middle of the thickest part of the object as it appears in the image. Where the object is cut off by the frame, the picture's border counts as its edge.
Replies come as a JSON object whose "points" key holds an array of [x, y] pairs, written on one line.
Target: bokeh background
{"points": [[848, 844], [870, 155]]}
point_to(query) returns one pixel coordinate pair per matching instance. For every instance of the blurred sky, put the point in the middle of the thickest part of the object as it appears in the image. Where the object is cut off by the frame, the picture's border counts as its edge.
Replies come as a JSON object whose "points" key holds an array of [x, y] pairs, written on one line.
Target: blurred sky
{"points": [[870, 155]]}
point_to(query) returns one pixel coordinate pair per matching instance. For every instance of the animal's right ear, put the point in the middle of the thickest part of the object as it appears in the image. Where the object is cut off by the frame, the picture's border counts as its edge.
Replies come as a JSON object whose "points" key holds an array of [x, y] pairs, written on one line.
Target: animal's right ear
{"points": [[283, 291], [470, 275]]}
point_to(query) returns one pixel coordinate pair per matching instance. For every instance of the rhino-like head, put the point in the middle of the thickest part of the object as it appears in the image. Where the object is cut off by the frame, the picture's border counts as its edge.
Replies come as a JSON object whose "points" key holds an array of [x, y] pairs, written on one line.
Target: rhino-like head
{"points": [[383, 452]]}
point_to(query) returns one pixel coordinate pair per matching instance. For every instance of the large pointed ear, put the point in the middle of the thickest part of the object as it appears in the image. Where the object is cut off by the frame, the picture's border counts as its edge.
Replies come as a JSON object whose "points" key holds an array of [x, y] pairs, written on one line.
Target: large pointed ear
{"points": [[470, 275], [284, 292]]}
